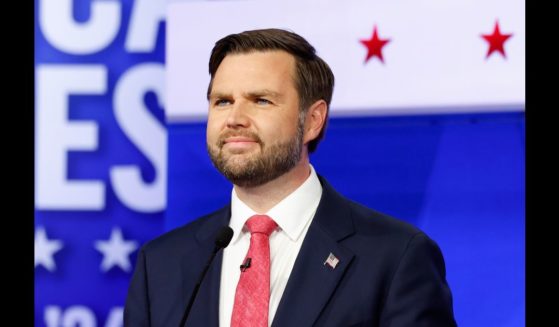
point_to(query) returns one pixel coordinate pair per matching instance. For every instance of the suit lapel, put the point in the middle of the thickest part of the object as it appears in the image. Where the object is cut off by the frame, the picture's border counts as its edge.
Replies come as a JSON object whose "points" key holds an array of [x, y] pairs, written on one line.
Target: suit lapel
{"points": [[312, 282], [205, 310]]}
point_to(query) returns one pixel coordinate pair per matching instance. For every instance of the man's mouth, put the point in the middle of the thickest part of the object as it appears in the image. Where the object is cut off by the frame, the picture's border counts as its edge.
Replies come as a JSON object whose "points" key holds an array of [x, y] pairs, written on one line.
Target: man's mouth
{"points": [[239, 139]]}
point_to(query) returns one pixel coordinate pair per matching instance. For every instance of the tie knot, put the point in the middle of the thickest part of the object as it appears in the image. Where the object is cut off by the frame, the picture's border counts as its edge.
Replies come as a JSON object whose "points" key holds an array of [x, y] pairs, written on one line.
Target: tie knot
{"points": [[261, 224]]}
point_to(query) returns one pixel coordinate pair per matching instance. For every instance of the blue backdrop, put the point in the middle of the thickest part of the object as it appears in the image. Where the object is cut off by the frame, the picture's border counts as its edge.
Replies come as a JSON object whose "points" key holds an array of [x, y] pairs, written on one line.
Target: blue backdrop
{"points": [[460, 178], [77, 290]]}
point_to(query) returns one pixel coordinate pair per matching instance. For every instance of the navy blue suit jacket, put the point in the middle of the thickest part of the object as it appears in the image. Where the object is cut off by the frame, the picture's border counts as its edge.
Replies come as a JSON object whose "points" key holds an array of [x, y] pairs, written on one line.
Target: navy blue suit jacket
{"points": [[389, 273]]}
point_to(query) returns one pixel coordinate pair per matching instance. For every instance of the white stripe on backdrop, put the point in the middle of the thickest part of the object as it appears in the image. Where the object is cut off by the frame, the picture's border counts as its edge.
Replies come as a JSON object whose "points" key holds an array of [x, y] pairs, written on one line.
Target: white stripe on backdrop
{"points": [[436, 59]]}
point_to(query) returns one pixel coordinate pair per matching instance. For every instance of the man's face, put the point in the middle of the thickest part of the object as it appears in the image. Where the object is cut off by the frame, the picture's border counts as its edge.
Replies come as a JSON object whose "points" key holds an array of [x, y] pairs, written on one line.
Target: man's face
{"points": [[254, 134]]}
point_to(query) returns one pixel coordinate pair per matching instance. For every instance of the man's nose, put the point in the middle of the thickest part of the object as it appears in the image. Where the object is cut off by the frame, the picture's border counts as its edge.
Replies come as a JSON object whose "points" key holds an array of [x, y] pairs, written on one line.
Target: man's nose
{"points": [[238, 115]]}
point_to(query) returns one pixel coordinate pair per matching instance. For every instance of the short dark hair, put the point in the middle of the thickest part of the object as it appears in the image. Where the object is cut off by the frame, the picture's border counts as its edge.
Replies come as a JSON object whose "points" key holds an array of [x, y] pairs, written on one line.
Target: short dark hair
{"points": [[313, 78]]}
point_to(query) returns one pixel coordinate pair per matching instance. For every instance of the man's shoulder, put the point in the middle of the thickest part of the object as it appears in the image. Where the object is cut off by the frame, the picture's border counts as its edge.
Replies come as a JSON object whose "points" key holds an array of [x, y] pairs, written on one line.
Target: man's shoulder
{"points": [[186, 235], [371, 220], [365, 220], [381, 232]]}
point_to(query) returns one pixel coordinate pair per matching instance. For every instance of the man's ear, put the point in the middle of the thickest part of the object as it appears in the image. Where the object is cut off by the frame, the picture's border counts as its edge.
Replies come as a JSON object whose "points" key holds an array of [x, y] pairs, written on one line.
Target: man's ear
{"points": [[315, 120]]}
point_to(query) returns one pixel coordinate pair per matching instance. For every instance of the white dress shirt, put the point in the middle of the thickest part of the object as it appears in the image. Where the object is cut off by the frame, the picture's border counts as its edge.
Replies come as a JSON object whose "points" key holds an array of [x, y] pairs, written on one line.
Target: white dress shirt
{"points": [[293, 216]]}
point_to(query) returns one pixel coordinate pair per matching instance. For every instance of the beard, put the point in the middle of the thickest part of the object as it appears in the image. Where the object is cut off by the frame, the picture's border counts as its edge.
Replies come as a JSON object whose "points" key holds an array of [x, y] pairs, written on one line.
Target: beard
{"points": [[255, 169]]}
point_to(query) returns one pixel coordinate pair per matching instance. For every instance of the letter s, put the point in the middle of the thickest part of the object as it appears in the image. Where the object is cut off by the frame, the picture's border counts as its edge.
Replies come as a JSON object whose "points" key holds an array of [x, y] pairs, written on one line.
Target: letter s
{"points": [[146, 133]]}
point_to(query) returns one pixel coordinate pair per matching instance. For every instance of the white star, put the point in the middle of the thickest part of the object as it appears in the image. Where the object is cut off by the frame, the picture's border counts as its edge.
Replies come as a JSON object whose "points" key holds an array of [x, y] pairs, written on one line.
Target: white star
{"points": [[45, 249], [116, 251]]}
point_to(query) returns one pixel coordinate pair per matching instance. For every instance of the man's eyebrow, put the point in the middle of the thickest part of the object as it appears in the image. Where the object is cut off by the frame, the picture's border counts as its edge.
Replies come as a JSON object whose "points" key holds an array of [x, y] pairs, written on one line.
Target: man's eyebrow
{"points": [[251, 94], [263, 93], [218, 95]]}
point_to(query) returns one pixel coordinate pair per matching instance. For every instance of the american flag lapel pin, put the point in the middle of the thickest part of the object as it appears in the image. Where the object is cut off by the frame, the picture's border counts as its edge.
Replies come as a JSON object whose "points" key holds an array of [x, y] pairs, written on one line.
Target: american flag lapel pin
{"points": [[331, 261]]}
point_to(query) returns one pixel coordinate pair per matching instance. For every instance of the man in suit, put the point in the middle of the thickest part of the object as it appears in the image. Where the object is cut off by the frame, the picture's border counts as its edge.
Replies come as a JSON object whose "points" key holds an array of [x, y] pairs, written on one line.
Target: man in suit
{"points": [[301, 254]]}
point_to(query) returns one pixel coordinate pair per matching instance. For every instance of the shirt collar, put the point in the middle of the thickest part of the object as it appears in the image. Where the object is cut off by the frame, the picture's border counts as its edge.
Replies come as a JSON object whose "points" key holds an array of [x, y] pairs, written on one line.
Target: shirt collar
{"points": [[291, 214]]}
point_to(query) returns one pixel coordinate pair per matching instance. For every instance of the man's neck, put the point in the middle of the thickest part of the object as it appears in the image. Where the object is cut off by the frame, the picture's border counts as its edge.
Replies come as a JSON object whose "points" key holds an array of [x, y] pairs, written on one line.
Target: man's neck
{"points": [[264, 197]]}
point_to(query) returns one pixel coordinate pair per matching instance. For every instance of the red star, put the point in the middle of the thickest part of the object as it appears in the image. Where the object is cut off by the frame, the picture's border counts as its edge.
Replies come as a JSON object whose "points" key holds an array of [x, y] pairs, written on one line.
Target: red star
{"points": [[496, 41], [374, 46]]}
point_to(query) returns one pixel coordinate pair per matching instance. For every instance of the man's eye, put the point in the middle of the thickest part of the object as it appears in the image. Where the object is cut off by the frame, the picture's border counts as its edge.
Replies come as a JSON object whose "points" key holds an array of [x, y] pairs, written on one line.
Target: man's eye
{"points": [[261, 101], [222, 102]]}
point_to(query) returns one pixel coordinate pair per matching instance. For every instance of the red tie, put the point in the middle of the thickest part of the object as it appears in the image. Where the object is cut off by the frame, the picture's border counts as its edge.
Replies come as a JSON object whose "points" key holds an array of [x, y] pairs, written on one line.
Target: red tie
{"points": [[253, 290]]}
